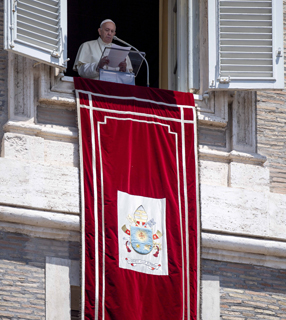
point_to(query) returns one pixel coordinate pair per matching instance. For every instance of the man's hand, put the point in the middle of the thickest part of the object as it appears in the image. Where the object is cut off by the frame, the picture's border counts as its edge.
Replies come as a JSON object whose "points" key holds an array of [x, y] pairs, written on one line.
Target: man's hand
{"points": [[103, 62], [122, 66]]}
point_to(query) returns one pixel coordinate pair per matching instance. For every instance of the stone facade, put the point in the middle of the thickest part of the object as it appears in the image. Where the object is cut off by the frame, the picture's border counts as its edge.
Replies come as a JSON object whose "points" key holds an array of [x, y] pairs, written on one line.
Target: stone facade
{"points": [[271, 136], [23, 273], [242, 183], [3, 79], [248, 291], [271, 130]]}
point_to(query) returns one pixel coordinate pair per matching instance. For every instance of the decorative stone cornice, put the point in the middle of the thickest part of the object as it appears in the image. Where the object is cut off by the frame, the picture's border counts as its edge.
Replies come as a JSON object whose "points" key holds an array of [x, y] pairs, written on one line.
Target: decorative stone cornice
{"points": [[233, 156], [215, 246], [265, 252], [43, 224], [45, 131]]}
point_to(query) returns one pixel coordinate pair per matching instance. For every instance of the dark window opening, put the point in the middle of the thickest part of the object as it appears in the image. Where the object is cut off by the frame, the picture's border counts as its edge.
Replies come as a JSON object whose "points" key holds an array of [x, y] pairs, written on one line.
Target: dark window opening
{"points": [[137, 23], [75, 303]]}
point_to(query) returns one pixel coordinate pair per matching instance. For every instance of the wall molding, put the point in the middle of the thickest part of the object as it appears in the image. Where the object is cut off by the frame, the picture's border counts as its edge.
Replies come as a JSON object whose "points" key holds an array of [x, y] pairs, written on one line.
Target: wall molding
{"points": [[220, 247], [52, 132], [233, 156], [264, 252], [42, 224]]}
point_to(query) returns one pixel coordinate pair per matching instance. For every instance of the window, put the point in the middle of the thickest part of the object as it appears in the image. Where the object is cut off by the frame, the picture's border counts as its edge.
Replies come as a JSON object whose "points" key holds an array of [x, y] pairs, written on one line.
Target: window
{"points": [[245, 44], [37, 29], [245, 38], [137, 23]]}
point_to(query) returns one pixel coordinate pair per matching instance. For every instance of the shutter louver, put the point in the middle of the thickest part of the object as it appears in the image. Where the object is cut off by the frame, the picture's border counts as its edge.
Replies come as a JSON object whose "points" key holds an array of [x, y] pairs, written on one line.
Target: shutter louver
{"points": [[245, 44], [38, 29], [38, 24], [245, 40]]}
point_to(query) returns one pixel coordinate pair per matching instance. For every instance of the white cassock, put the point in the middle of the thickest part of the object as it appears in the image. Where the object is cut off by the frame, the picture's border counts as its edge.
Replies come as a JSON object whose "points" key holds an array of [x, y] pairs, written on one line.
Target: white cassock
{"points": [[88, 56]]}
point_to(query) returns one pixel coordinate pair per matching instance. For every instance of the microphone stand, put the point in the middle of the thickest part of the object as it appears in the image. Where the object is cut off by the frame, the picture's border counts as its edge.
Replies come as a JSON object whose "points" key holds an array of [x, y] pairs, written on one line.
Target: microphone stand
{"points": [[116, 38]]}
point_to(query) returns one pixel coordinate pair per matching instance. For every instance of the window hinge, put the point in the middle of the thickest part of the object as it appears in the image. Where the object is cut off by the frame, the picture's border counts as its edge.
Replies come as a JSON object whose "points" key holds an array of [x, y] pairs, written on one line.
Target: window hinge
{"points": [[64, 63], [55, 54], [224, 79], [14, 5], [212, 84], [279, 53]]}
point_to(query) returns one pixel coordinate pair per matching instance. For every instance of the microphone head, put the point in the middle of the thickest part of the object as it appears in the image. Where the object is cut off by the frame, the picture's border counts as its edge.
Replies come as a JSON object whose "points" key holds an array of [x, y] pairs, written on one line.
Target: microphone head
{"points": [[115, 38]]}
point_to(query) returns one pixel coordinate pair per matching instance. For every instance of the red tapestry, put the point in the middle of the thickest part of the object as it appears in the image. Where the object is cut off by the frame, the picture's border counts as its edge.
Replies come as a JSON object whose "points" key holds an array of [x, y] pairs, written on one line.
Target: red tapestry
{"points": [[140, 227]]}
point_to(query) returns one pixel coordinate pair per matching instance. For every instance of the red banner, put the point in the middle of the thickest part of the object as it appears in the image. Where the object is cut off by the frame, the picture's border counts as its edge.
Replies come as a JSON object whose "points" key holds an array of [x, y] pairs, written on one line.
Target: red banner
{"points": [[140, 227]]}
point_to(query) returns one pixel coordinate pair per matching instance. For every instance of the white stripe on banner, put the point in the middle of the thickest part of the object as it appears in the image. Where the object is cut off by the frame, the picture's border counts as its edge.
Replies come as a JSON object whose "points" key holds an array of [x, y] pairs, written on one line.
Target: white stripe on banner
{"points": [[82, 211], [186, 206], [136, 99], [95, 211]]}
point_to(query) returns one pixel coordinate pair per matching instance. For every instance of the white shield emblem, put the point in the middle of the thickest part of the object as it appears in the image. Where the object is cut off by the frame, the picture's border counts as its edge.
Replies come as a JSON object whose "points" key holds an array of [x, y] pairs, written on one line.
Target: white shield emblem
{"points": [[141, 239]]}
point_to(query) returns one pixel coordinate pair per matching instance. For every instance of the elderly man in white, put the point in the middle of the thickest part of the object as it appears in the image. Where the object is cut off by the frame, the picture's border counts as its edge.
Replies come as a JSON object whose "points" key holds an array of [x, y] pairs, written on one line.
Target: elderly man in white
{"points": [[87, 62]]}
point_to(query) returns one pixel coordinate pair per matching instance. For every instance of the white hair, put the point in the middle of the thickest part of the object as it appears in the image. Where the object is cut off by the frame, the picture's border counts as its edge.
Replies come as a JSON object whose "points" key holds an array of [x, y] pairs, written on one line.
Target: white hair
{"points": [[107, 20]]}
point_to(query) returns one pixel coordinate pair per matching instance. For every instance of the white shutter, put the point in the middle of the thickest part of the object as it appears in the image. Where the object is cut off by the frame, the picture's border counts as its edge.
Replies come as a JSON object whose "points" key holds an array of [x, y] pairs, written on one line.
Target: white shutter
{"points": [[37, 29], [246, 44]]}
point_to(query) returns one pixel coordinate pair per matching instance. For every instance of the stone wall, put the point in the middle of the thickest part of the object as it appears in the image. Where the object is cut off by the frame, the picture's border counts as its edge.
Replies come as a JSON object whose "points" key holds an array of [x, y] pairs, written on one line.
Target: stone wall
{"points": [[271, 135], [271, 130], [249, 292], [22, 270], [3, 78]]}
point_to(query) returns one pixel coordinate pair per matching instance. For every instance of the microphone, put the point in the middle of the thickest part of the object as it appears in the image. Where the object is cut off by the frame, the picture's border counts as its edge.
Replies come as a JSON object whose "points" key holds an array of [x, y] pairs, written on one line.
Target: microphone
{"points": [[129, 45]]}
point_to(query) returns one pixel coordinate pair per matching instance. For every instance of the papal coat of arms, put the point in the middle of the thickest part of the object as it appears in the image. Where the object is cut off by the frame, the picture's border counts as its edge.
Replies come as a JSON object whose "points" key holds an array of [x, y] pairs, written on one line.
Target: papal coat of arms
{"points": [[142, 238]]}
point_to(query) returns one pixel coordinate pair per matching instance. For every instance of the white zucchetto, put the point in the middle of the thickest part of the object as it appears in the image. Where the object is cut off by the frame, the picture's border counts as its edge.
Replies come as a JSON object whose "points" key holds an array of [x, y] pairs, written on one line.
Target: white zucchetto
{"points": [[107, 20]]}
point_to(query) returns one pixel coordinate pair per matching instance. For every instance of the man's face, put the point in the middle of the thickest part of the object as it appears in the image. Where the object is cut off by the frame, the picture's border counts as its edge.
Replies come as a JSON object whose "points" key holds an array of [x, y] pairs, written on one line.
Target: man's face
{"points": [[107, 32]]}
